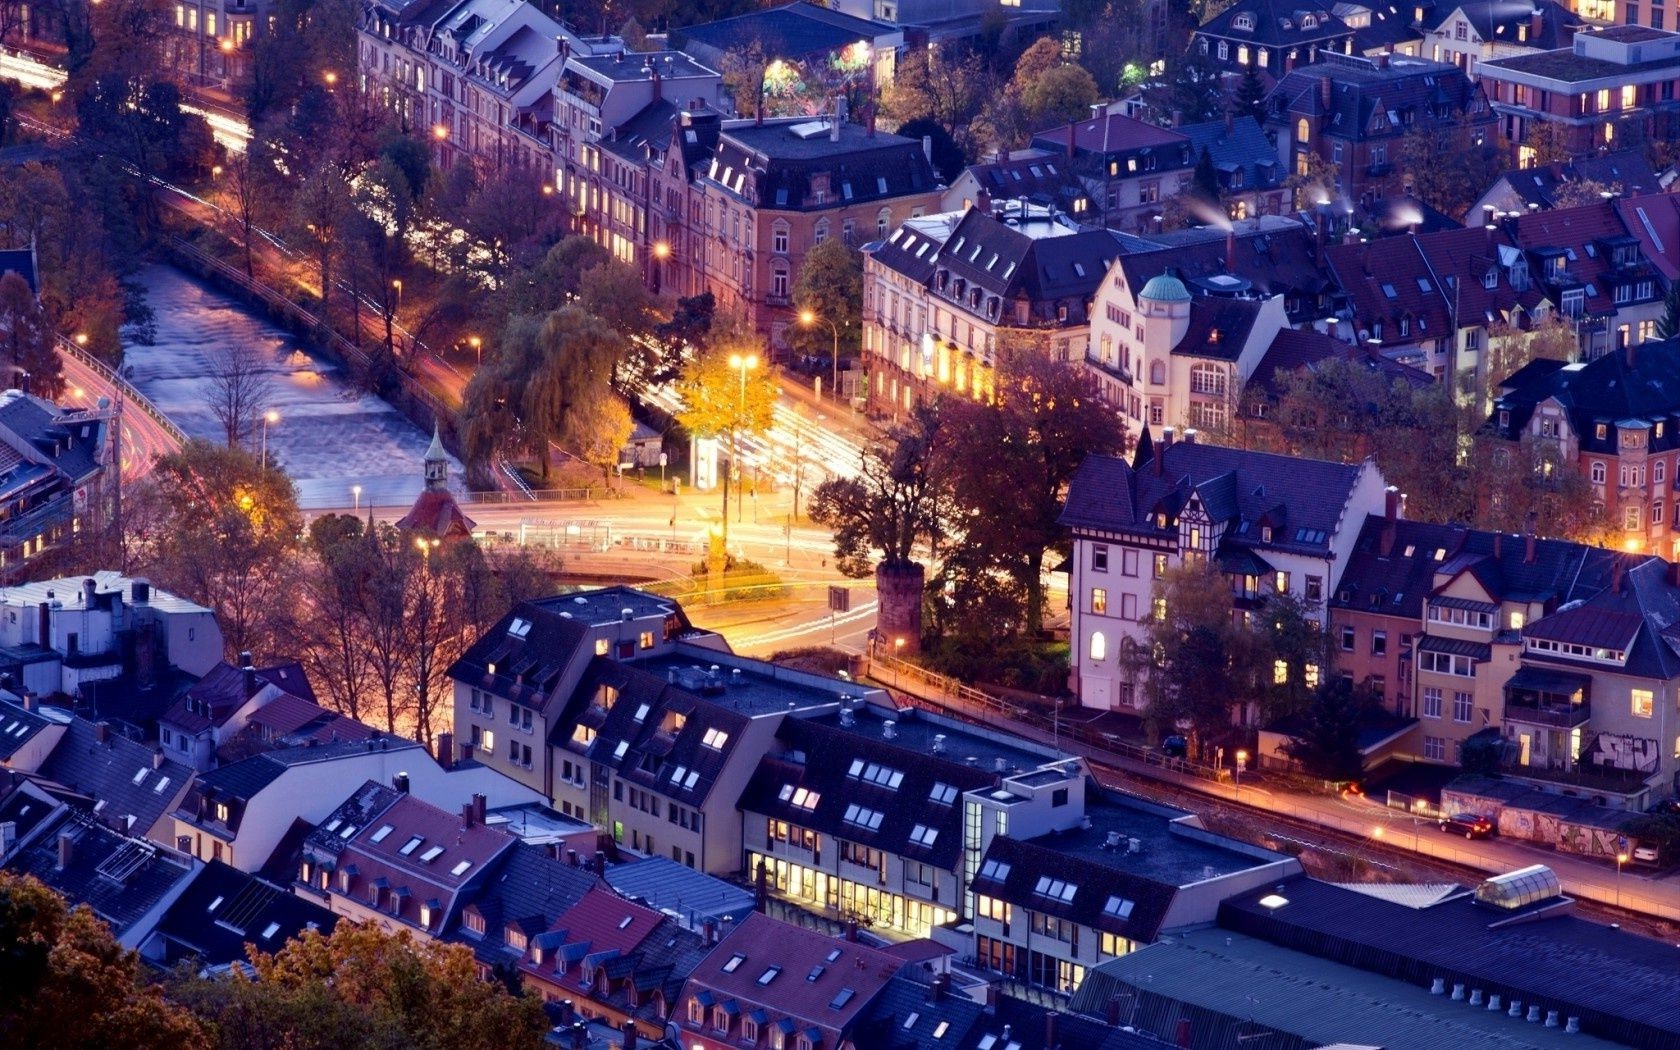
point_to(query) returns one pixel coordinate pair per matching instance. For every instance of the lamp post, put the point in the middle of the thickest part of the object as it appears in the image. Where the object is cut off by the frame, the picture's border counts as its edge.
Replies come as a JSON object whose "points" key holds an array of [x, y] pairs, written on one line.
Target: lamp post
{"points": [[898, 648], [1621, 859], [661, 252], [270, 416], [808, 317], [396, 283], [745, 363], [356, 496], [1242, 760], [478, 348]]}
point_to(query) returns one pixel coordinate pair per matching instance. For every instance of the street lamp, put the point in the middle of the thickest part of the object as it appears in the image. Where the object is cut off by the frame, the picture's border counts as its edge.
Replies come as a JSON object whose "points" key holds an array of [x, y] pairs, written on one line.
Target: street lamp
{"points": [[1242, 760], [898, 648], [270, 416], [478, 348], [396, 283], [356, 496], [81, 338], [807, 317], [331, 78], [661, 252], [1621, 859], [440, 132], [745, 363]]}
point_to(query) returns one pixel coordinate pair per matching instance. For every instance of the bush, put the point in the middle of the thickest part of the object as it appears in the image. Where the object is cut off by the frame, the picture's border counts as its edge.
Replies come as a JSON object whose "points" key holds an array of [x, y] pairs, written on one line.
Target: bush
{"points": [[1015, 663]]}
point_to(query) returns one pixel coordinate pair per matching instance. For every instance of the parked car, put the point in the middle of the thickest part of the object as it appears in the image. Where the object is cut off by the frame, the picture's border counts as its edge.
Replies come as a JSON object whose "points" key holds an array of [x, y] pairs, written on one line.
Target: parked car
{"points": [[1470, 825], [1175, 747], [1645, 855]]}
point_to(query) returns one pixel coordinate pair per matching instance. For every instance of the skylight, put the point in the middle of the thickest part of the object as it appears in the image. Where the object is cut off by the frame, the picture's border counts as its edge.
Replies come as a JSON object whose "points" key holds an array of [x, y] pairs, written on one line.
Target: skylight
{"points": [[157, 789], [460, 869], [840, 1000], [864, 817], [944, 794], [432, 853], [217, 903], [519, 628], [910, 1022], [1056, 889], [625, 922], [139, 776], [995, 869], [1388, 290], [1118, 907], [1273, 901], [922, 835], [347, 831], [623, 746], [270, 930], [939, 1033], [715, 739], [411, 845], [833, 955], [379, 836], [875, 773], [769, 975], [734, 962], [816, 972]]}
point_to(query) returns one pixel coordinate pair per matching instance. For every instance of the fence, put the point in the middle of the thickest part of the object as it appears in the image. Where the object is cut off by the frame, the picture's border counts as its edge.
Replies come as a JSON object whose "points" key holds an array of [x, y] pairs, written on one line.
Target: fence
{"points": [[122, 386]]}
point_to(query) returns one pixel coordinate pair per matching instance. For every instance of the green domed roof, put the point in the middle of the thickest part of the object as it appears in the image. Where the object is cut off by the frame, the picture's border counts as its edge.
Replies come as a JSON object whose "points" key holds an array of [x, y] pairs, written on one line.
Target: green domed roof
{"points": [[1165, 288]]}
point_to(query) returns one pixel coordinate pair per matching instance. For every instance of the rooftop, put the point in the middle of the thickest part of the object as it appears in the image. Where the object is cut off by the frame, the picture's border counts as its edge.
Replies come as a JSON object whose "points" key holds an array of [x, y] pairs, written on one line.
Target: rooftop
{"points": [[69, 590], [632, 66], [131, 781], [224, 910], [1169, 850], [691, 897], [537, 824], [121, 878], [751, 687], [914, 730]]}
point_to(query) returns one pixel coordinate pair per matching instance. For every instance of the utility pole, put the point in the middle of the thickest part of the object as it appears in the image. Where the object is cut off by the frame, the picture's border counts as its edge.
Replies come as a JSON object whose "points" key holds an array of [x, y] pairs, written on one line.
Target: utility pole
{"points": [[116, 491]]}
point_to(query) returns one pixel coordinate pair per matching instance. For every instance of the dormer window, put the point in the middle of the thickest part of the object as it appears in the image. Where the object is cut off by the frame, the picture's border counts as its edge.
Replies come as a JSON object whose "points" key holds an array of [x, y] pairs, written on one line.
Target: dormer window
{"points": [[1243, 21], [1309, 21]]}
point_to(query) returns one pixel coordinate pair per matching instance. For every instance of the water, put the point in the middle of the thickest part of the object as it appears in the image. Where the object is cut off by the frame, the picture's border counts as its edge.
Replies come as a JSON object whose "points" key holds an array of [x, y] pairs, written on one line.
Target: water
{"points": [[330, 435]]}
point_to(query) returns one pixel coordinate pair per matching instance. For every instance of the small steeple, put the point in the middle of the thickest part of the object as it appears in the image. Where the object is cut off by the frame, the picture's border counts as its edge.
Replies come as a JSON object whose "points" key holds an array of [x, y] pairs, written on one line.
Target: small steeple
{"points": [[437, 463]]}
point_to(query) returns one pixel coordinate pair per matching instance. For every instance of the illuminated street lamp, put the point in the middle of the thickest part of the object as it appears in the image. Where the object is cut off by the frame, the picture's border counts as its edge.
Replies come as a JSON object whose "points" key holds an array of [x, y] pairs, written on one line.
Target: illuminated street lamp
{"points": [[397, 284], [1621, 859], [331, 78], [356, 495], [270, 416], [440, 132], [808, 317], [661, 252], [1242, 760], [746, 363], [478, 348], [81, 339]]}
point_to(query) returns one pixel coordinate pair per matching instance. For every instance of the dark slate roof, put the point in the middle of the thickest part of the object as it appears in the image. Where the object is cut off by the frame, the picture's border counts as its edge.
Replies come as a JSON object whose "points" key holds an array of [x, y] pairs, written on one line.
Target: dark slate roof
{"points": [[17, 725], [1042, 177], [1497, 21], [1391, 26], [905, 1015], [1240, 147], [1114, 138], [73, 449], [225, 909], [239, 782], [121, 878], [23, 803], [1624, 987], [120, 773], [990, 263], [531, 890], [1392, 567], [1165, 858], [1293, 349], [1108, 494], [1636, 613], [1362, 96], [1028, 1027], [1607, 390], [674, 888], [830, 754], [1274, 254], [1625, 168], [769, 166], [792, 31], [1219, 328], [1276, 24]]}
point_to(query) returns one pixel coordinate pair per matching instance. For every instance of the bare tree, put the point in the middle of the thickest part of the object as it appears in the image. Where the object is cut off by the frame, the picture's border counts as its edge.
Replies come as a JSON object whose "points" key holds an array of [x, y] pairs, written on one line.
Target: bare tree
{"points": [[240, 389]]}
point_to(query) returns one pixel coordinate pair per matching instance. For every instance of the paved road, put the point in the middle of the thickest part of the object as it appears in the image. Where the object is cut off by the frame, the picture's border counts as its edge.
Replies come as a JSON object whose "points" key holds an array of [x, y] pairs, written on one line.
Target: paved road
{"points": [[143, 438]]}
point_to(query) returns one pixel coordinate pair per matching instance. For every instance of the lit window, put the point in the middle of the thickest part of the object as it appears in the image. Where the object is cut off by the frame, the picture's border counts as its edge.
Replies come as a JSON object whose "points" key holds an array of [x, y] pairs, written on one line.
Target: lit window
{"points": [[1644, 703], [1099, 646], [715, 739]]}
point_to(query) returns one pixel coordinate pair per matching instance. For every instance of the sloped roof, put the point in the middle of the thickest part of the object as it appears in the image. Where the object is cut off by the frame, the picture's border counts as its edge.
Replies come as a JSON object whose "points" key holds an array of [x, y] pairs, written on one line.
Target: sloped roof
{"points": [[1371, 100], [1293, 349], [225, 909], [769, 166], [793, 30], [121, 878], [1276, 23], [1242, 147], [1497, 21], [436, 512], [123, 774], [1607, 390]]}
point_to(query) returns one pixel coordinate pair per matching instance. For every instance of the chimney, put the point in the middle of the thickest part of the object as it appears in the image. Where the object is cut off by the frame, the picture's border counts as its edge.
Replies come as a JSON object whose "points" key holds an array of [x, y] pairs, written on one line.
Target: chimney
{"points": [[399, 783], [632, 1038], [1111, 1011], [1530, 523], [927, 143], [1498, 544], [250, 669], [478, 803], [1391, 503], [1189, 435], [1380, 60], [1231, 249], [446, 749], [101, 732], [1051, 1015], [66, 847], [1632, 352], [1536, 25], [158, 758], [600, 862], [658, 90], [466, 752], [1324, 93], [1230, 122], [851, 930], [466, 814], [31, 702], [937, 991], [1073, 127], [89, 589], [708, 932], [761, 892], [1616, 572], [1183, 1039], [1674, 574]]}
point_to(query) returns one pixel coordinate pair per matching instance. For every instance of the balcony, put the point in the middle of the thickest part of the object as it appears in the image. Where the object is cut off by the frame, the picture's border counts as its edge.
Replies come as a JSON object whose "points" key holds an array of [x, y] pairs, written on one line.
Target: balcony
{"points": [[1547, 697]]}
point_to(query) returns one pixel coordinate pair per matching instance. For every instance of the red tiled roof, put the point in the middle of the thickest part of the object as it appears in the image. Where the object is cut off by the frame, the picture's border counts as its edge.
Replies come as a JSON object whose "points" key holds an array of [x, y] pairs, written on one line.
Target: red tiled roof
{"points": [[600, 920], [1114, 134], [287, 714], [811, 973], [1655, 220], [436, 512], [1575, 228], [440, 877]]}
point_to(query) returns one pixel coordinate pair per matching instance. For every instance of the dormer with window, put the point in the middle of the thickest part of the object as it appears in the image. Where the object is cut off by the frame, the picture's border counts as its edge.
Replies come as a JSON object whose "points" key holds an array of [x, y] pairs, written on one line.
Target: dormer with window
{"points": [[1244, 21]]}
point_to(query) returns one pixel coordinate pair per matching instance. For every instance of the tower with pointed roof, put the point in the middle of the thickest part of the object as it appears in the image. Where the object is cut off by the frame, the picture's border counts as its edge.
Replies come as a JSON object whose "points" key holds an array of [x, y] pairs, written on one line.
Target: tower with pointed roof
{"points": [[437, 464], [435, 511]]}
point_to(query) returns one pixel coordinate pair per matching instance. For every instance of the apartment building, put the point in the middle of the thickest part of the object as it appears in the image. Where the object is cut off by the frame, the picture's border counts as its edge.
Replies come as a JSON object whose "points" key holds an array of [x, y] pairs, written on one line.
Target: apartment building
{"points": [[1596, 269], [1270, 523], [1353, 111], [52, 460], [1468, 34], [210, 41], [1272, 37], [947, 293], [1614, 419], [614, 707], [1615, 81]]}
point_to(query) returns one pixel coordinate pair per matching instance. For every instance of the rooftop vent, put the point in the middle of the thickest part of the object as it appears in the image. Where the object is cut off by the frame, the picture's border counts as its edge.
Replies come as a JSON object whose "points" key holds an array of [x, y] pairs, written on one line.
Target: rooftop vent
{"points": [[889, 730], [939, 743]]}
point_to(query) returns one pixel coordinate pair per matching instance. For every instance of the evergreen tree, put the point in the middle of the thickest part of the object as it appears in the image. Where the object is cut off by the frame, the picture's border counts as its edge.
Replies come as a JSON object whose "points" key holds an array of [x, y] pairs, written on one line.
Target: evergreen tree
{"points": [[1668, 325], [1250, 100], [1205, 181]]}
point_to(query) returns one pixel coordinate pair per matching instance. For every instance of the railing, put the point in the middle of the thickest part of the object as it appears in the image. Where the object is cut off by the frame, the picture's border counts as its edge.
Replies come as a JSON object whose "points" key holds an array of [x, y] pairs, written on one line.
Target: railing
{"points": [[127, 389], [1564, 716], [31, 523]]}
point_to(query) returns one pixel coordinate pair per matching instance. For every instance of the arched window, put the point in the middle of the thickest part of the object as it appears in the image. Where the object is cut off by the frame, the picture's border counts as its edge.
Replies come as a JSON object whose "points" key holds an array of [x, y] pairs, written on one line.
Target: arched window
{"points": [[1207, 378], [1203, 45], [1243, 21], [1303, 130], [1099, 646], [779, 279], [883, 219], [1309, 21], [820, 234], [1157, 373], [1224, 51]]}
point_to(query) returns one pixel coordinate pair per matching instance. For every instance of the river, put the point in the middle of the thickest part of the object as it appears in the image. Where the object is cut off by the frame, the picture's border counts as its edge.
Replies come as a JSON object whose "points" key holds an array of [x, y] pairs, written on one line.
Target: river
{"points": [[329, 437]]}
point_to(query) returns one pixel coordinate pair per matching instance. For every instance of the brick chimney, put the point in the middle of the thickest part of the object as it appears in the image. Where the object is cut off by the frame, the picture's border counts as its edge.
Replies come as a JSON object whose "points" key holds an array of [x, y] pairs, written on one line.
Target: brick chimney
{"points": [[1530, 523], [1324, 93], [446, 749], [1161, 455], [467, 815], [1231, 249]]}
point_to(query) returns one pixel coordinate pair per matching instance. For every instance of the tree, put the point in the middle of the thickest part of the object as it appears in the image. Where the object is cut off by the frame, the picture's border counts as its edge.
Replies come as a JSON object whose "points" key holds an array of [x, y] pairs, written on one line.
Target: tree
{"points": [[1549, 143], [1449, 165], [1204, 181], [1326, 740], [829, 287], [1576, 193], [893, 504], [362, 989], [330, 644], [1315, 182], [948, 157], [947, 84], [69, 983], [1549, 335], [728, 391], [1250, 99], [241, 386], [1188, 92], [221, 530], [26, 338], [1040, 422], [1668, 325], [1189, 663]]}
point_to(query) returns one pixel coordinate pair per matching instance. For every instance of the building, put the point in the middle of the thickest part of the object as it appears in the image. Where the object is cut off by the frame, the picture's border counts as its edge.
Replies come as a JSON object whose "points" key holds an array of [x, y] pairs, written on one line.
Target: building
{"points": [[946, 295], [133, 787], [1470, 33], [1271, 523], [616, 961], [1353, 112], [1273, 37], [868, 43], [1164, 357], [860, 815], [1053, 900], [51, 461], [1269, 255], [435, 515], [225, 911], [769, 976], [692, 898], [533, 887], [1380, 28], [1614, 420], [1595, 269], [242, 813], [209, 42], [476, 77], [28, 733], [625, 139], [1618, 80], [222, 704], [1038, 176], [1245, 163], [614, 707], [1626, 173], [62, 636]]}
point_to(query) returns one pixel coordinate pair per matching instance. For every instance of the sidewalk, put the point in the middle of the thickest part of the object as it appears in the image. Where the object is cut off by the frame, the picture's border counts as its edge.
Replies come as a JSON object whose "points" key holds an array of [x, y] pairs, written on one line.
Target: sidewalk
{"points": [[1582, 878]]}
